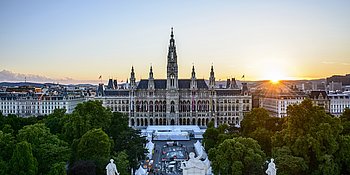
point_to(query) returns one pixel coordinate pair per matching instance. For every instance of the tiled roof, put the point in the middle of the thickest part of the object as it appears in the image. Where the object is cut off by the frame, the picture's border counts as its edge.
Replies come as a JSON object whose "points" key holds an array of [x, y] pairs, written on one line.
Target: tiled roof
{"points": [[316, 94], [228, 92], [183, 84], [116, 92]]}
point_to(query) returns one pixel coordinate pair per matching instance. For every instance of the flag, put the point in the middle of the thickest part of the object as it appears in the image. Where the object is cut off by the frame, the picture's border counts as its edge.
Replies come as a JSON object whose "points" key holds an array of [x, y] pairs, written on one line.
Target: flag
{"points": [[100, 77]]}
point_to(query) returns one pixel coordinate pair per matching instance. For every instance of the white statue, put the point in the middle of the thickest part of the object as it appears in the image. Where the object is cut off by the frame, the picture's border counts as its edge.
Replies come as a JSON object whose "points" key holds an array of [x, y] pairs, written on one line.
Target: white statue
{"points": [[271, 170], [111, 168], [193, 166]]}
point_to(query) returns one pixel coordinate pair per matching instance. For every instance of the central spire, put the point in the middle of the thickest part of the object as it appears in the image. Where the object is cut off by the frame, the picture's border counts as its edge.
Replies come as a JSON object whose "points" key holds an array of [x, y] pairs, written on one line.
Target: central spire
{"points": [[172, 33], [172, 67]]}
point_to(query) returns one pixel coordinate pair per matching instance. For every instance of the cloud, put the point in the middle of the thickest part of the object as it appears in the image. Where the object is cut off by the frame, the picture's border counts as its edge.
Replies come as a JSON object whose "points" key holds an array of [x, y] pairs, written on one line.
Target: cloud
{"points": [[9, 76], [338, 63]]}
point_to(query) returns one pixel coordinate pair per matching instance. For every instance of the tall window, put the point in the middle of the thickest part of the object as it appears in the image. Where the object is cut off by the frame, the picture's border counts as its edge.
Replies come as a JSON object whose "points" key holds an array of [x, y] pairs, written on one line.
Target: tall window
{"points": [[172, 108], [172, 80]]}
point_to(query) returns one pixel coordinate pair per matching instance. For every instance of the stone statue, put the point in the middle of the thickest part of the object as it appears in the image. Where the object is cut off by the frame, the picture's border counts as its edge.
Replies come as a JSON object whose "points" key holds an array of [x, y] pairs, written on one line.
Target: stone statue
{"points": [[271, 170], [193, 166], [111, 168]]}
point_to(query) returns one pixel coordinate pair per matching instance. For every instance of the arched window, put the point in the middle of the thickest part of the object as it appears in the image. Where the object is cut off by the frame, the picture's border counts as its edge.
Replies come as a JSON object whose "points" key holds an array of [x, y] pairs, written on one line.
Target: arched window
{"points": [[172, 80], [164, 106], [151, 107], [172, 107]]}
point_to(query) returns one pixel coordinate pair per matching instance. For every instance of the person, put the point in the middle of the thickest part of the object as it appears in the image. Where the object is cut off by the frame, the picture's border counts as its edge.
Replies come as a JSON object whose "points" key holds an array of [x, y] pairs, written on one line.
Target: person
{"points": [[112, 168], [271, 170]]}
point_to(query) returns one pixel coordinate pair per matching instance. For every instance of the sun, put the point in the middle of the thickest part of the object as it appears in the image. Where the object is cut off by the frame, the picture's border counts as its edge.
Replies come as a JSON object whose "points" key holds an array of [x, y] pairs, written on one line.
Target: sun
{"points": [[275, 76], [274, 81]]}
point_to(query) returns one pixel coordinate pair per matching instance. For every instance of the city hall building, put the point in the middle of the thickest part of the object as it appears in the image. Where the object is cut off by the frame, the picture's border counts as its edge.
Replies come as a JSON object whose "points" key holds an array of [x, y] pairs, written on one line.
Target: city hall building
{"points": [[174, 101]]}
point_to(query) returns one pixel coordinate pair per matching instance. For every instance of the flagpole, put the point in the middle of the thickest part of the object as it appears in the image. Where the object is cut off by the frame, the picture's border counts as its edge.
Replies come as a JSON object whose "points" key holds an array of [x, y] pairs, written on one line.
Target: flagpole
{"points": [[100, 78]]}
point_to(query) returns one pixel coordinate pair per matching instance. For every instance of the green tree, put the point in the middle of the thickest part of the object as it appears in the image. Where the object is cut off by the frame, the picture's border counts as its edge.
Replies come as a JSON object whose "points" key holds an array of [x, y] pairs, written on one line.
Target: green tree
{"points": [[214, 136], [312, 134], [287, 164], [259, 125], [7, 143], [95, 145], [210, 138], [58, 169], [345, 120], [126, 139], [86, 116], [343, 154], [237, 156], [47, 148], [123, 163], [55, 121], [23, 162]]}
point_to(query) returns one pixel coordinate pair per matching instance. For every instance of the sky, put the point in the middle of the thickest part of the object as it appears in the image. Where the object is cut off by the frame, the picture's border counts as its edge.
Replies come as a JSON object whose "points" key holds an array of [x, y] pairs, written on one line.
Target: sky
{"points": [[82, 39]]}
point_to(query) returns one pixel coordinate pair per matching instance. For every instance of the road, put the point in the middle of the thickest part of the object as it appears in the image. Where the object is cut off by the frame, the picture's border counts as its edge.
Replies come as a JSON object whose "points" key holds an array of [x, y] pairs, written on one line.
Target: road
{"points": [[158, 148]]}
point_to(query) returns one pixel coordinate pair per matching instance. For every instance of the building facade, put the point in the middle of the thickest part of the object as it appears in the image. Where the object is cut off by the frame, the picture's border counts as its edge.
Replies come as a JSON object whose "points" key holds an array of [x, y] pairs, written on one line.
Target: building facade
{"points": [[320, 99], [174, 101], [338, 103], [36, 104], [277, 104]]}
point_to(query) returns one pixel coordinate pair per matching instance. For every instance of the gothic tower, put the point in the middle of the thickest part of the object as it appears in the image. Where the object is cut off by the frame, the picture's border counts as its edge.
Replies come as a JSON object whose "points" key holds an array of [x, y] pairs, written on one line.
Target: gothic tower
{"points": [[172, 68], [211, 78], [172, 94]]}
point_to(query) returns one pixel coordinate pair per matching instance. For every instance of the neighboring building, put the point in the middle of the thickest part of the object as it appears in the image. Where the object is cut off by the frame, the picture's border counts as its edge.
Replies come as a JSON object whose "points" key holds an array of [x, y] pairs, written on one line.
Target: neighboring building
{"points": [[320, 98], [277, 103], [338, 103], [174, 101], [36, 104]]}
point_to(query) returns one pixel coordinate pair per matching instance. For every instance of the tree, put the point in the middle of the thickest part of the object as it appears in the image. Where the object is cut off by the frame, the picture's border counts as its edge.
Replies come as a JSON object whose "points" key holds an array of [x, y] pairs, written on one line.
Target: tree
{"points": [[214, 136], [237, 156], [259, 125], [345, 120], [95, 145], [287, 164], [55, 121], [7, 143], [58, 169], [210, 138], [343, 154], [23, 162], [126, 139], [123, 163], [86, 116], [312, 134], [47, 148]]}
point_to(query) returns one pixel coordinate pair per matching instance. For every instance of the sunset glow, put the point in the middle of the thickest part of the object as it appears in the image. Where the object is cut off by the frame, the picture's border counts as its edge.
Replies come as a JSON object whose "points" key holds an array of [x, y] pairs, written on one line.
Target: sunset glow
{"points": [[261, 39]]}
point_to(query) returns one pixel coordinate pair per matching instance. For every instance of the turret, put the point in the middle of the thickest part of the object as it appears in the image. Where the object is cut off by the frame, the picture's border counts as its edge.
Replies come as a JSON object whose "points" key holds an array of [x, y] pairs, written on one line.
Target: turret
{"points": [[150, 79], [132, 79], [110, 84], [193, 79], [211, 78]]}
